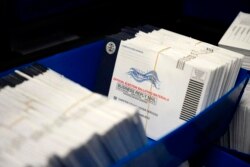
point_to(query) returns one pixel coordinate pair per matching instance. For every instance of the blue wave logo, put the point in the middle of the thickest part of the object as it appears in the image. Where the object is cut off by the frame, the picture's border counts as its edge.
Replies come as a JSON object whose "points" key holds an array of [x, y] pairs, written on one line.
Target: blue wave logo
{"points": [[150, 76]]}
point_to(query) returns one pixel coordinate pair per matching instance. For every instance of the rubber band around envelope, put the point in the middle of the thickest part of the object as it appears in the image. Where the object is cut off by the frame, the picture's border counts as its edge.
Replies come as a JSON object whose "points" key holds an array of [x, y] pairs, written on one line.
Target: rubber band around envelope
{"points": [[76, 103], [16, 121], [155, 65]]}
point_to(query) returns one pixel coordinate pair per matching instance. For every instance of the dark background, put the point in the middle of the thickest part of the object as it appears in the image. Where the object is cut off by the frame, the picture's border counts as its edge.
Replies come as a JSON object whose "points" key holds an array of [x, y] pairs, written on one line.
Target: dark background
{"points": [[33, 29]]}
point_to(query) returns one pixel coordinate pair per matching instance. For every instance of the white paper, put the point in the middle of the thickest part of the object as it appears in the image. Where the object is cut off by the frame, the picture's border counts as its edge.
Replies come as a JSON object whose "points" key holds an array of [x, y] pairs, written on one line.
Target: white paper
{"points": [[238, 34]]}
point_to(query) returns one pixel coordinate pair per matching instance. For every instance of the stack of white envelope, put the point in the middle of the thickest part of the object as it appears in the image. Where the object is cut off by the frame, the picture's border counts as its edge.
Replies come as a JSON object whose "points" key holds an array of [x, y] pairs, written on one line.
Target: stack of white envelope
{"points": [[48, 120], [237, 37], [171, 77], [238, 135]]}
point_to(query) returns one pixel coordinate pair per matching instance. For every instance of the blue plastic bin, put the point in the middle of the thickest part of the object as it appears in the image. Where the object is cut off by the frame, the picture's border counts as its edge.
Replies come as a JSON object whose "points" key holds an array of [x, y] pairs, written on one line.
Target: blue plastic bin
{"points": [[219, 157], [81, 65]]}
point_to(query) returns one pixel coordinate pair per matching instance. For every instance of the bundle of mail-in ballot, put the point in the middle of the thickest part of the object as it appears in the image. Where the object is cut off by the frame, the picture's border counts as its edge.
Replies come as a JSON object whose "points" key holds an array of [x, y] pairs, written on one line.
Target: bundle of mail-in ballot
{"points": [[238, 135], [170, 77], [237, 38], [48, 120]]}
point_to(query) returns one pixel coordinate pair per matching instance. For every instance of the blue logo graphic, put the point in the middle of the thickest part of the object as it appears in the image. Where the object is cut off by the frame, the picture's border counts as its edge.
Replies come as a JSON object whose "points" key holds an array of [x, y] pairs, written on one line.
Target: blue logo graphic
{"points": [[150, 76]]}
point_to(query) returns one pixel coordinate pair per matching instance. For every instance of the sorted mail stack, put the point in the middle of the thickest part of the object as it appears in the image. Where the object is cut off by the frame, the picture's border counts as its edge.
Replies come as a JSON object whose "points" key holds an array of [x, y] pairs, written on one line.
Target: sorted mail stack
{"points": [[237, 37], [239, 132], [170, 77], [48, 120]]}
